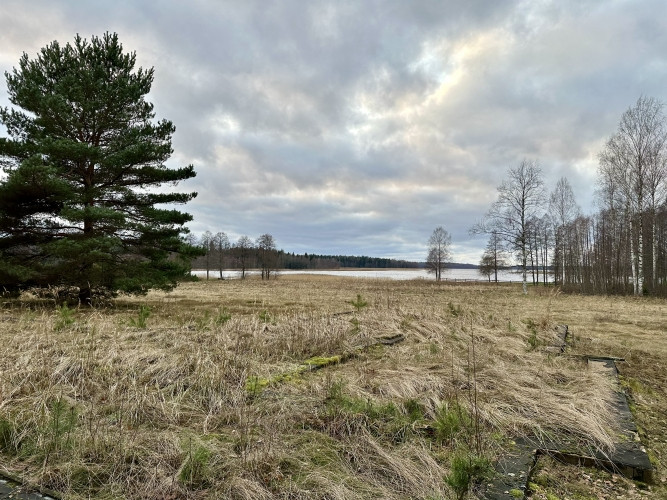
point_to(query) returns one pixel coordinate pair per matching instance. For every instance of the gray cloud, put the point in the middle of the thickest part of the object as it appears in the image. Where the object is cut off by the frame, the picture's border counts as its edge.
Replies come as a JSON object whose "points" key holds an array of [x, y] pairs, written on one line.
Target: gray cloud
{"points": [[357, 127]]}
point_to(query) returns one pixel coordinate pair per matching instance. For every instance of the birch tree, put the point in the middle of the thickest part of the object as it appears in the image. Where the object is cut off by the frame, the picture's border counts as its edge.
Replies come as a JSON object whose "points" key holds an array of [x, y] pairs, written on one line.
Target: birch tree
{"points": [[633, 158], [520, 198], [221, 243], [494, 257], [438, 252], [563, 209], [242, 250], [266, 251], [206, 243]]}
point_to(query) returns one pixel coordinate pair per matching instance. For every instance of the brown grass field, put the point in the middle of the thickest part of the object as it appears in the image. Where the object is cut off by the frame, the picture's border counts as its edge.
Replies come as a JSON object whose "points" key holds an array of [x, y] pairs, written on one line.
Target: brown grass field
{"points": [[212, 391]]}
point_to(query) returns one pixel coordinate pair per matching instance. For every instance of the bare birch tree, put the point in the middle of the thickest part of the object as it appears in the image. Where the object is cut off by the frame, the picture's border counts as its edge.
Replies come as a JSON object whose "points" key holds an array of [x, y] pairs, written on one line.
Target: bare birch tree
{"points": [[494, 257], [633, 160], [242, 250], [438, 252], [266, 252], [520, 197], [657, 194], [206, 243], [221, 242], [563, 209]]}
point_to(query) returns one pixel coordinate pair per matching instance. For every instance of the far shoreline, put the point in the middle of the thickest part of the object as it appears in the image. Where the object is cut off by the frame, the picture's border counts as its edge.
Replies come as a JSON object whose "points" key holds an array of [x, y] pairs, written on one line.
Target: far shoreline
{"points": [[450, 274]]}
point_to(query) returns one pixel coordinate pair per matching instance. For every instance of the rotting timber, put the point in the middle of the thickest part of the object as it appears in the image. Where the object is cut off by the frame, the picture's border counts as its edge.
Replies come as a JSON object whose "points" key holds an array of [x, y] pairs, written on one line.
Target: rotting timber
{"points": [[254, 385], [628, 457], [12, 487]]}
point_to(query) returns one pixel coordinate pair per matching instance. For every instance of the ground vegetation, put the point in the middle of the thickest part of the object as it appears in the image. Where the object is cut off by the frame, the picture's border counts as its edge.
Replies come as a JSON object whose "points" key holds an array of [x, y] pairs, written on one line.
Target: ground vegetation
{"points": [[277, 389]]}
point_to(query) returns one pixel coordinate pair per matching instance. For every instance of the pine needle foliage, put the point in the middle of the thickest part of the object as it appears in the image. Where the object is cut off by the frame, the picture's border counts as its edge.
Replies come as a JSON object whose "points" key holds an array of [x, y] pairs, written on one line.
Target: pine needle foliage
{"points": [[83, 161]]}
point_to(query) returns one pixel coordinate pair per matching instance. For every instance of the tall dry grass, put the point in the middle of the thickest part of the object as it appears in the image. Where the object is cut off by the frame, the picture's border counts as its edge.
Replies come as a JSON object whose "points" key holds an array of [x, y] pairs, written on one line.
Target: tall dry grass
{"points": [[106, 404]]}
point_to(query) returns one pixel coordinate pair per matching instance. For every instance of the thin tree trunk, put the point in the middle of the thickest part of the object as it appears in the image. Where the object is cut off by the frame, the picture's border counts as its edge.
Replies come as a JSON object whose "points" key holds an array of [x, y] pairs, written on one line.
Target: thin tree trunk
{"points": [[654, 250], [640, 258], [633, 260], [523, 266], [220, 260]]}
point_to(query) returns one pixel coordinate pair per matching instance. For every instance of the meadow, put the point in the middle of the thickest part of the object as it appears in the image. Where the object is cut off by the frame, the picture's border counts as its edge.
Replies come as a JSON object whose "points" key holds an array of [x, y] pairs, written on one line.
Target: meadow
{"points": [[280, 389]]}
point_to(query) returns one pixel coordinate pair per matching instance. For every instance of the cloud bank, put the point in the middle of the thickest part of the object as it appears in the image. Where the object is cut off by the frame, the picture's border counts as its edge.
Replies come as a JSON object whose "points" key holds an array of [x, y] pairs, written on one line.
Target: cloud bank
{"points": [[358, 127]]}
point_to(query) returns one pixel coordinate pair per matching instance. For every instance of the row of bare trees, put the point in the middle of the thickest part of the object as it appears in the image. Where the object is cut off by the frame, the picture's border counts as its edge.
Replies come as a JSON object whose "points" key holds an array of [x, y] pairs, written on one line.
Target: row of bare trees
{"points": [[633, 187], [244, 254], [620, 249], [623, 247], [512, 219]]}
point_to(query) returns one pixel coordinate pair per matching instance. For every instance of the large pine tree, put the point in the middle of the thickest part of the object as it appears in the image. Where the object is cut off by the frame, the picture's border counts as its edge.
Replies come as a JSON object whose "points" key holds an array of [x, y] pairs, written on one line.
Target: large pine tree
{"points": [[84, 161]]}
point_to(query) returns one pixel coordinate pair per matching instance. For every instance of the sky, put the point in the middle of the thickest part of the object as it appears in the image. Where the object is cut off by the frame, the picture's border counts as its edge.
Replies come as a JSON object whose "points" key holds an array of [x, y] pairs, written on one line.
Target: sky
{"points": [[358, 127]]}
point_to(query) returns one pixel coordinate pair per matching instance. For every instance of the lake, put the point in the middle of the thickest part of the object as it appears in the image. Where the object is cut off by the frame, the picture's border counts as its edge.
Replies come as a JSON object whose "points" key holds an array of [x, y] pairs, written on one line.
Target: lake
{"points": [[392, 274]]}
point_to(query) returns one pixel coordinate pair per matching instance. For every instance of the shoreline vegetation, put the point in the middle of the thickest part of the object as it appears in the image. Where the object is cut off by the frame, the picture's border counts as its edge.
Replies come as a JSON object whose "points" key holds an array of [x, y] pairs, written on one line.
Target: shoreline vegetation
{"points": [[275, 389]]}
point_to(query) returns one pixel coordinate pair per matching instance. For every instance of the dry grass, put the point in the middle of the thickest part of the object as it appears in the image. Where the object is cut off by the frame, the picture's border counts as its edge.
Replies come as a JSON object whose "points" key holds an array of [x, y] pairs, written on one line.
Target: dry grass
{"points": [[92, 403]]}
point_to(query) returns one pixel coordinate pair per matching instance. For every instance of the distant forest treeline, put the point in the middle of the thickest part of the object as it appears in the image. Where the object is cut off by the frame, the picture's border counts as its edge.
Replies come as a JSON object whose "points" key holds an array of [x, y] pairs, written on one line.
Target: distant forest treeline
{"points": [[233, 256], [314, 261], [220, 254]]}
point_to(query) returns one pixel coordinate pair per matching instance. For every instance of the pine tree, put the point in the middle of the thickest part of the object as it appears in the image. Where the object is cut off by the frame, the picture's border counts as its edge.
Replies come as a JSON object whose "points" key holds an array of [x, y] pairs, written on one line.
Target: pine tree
{"points": [[83, 164]]}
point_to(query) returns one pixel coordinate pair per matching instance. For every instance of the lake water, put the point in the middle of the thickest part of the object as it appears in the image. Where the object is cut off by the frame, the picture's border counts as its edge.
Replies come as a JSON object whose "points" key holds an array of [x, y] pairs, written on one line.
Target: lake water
{"points": [[392, 274]]}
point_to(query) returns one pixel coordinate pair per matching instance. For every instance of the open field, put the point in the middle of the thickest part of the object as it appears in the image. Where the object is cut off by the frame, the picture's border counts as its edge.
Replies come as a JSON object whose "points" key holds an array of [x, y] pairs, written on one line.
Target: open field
{"points": [[213, 390]]}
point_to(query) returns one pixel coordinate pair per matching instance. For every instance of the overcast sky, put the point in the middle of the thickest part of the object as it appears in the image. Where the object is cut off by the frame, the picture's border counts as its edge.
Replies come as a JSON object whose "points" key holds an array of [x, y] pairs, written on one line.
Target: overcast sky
{"points": [[358, 127]]}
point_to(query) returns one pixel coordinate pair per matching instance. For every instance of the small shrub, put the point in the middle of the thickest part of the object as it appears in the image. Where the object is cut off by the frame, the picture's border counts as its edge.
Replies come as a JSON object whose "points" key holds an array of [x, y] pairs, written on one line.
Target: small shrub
{"points": [[142, 315], [533, 342], [450, 421], [454, 310], [335, 391], [203, 322], [466, 469], [265, 317], [414, 409], [63, 419], [195, 470], [255, 385], [65, 318], [359, 303], [223, 317]]}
